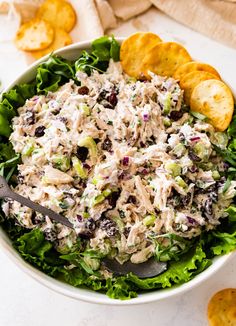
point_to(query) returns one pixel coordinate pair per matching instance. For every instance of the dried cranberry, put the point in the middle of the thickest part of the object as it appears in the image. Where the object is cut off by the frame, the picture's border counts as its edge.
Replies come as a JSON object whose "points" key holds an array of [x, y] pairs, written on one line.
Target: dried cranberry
{"points": [[112, 99], [83, 90], [86, 166], [176, 115], [82, 153], [112, 199], [86, 234], [125, 161], [79, 218], [132, 200], [39, 131], [107, 144]]}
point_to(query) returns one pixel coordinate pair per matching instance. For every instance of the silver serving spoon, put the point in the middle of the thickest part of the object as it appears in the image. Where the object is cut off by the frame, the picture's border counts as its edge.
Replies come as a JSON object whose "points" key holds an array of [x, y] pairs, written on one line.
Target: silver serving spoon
{"points": [[149, 268], [6, 192]]}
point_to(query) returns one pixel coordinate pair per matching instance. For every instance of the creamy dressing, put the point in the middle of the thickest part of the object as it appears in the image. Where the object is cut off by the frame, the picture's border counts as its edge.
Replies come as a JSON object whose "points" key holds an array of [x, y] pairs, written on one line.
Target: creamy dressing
{"points": [[141, 172]]}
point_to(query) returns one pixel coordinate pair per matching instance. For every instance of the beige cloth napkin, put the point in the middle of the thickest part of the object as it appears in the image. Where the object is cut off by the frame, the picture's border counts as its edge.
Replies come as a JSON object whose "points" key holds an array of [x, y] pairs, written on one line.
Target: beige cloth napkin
{"points": [[214, 18]]}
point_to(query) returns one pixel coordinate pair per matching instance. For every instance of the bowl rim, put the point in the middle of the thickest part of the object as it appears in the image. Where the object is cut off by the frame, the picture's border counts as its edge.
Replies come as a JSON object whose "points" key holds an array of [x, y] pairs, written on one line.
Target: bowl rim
{"points": [[83, 294]]}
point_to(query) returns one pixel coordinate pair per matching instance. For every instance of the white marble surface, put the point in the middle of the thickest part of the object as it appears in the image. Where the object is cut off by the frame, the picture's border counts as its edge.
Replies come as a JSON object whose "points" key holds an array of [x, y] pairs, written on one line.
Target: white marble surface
{"points": [[23, 302]]}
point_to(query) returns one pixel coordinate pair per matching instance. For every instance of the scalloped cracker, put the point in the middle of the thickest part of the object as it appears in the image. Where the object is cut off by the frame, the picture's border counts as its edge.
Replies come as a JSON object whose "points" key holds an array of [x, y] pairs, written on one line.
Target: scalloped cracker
{"points": [[34, 35], [194, 66], [133, 51], [61, 39], [222, 308], [189, 81], [214, 99], [164, 58], [59, 13]]}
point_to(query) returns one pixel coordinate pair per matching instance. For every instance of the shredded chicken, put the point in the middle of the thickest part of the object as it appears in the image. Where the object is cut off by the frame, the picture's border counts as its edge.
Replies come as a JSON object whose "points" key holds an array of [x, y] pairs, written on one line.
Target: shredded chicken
{"points": [[123, 160]]}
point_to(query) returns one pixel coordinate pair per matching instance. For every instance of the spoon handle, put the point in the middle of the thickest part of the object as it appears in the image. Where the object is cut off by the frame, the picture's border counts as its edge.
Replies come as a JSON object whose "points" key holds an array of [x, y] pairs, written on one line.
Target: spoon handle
{"points": [[6, 192], [41, 209]]}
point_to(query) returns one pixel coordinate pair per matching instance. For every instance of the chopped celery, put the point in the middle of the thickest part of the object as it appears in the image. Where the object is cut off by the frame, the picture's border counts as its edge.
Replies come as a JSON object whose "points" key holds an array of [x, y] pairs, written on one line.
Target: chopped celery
{"points": [[215, 175], [28, 149], [220, 139], [89, 143], [198, 115], [61, 162], [181, 182], [201, 151], [173, 168], [119, 223], [44, 106], [179, 150], [85, 108], [166, 122], [85, 215], [149, 220], [98, 199], [167, 104], [107, 192], [96, 179], [78, 166]]}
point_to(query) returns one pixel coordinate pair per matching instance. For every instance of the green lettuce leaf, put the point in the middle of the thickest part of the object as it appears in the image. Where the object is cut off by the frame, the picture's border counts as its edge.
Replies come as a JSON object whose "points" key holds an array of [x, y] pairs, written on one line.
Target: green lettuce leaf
{"points": [[39, 252], [103, 49], [10, 101], [54, 72], [178, 272]]}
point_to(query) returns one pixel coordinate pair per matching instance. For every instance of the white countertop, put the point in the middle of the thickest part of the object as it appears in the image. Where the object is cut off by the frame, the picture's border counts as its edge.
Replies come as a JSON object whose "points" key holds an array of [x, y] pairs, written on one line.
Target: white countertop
{"points": [[24, 302]]}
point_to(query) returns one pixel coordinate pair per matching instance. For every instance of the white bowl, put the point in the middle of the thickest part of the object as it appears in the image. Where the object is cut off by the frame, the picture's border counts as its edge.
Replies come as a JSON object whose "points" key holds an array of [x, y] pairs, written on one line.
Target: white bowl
{"points": [[72, 52]]}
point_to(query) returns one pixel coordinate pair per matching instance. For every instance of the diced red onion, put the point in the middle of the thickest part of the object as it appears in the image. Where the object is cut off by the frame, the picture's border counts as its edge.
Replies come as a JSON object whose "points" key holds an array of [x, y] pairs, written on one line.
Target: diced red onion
{"points": [[191, 220], [79, 218], [145, 117], [197, 138], [193, 168], [35, 98], [144, 171]]}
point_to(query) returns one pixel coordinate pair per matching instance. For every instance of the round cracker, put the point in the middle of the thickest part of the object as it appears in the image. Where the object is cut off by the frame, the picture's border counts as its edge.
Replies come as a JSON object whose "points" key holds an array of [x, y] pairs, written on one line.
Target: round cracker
{"points": [[61, 39], [34, 35], [134, 49], [214, 99], [164, 58], [222, 308], [193, 66], [189, 81], [59, 13]]}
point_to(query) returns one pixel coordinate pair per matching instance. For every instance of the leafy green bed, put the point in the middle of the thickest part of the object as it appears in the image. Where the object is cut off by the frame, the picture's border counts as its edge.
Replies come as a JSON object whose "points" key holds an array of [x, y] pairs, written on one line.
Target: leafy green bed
{"points": [[39, 252]]}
